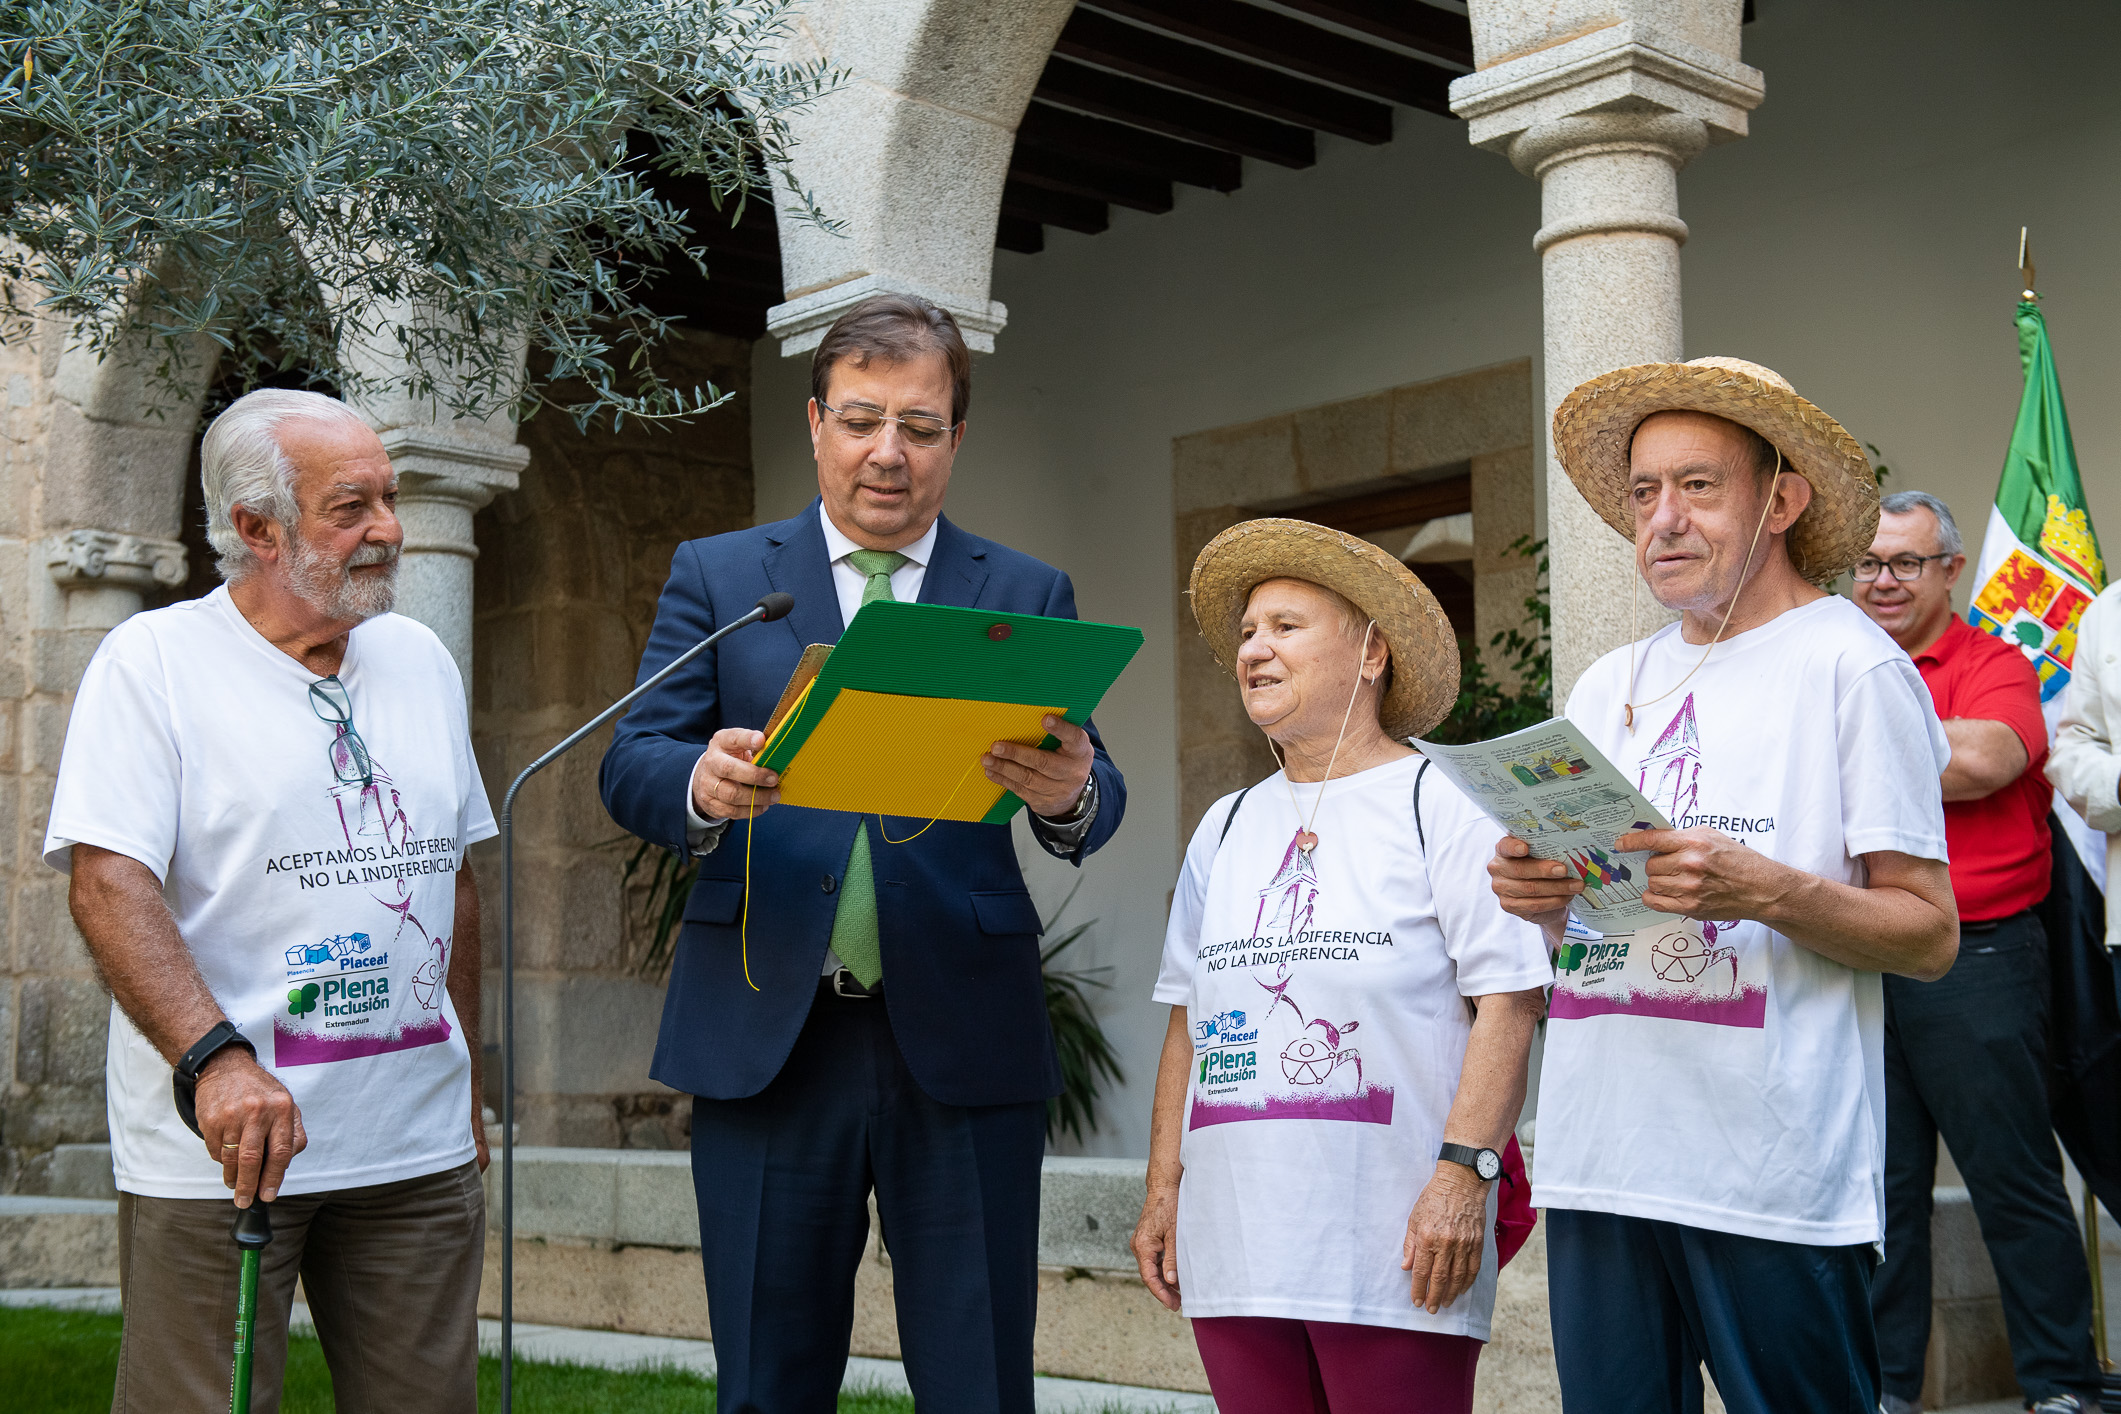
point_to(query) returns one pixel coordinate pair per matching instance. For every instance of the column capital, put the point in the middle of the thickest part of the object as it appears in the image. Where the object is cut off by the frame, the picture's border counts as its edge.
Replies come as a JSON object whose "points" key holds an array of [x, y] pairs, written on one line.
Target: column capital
{"points": [[800, 324], [110, 559], [435, 461], [1625, 72]]}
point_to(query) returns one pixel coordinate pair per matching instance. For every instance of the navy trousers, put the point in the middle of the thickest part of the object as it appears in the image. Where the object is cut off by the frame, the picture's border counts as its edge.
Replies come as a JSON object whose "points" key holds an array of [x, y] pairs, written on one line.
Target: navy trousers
{"points": [[1966, 1056], [784, 1179], [1639, 1305]]}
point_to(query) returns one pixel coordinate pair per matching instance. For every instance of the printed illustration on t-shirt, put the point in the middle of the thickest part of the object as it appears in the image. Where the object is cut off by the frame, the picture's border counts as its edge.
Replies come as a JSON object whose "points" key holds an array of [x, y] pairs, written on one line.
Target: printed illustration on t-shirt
{"points": [[1311, 1071], [1292, 894], [365, 991], [1677, 971]]}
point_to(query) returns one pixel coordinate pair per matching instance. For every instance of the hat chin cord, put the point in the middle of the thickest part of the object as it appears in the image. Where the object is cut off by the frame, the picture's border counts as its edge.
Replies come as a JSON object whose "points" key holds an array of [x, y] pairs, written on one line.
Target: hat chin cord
{"points": [[1307, 833], [1635, 604]]}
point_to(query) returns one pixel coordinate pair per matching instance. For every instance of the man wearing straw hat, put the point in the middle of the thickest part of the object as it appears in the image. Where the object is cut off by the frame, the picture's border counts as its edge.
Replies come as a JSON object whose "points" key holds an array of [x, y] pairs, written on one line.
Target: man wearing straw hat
{"points": [[1712, 1111]]}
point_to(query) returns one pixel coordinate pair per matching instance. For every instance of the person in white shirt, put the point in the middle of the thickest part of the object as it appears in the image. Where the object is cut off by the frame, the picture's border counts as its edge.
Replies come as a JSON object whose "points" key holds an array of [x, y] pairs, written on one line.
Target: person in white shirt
{"points": [[1350, 1011], [264, 802], [2085, 762], [1711, 1117]]}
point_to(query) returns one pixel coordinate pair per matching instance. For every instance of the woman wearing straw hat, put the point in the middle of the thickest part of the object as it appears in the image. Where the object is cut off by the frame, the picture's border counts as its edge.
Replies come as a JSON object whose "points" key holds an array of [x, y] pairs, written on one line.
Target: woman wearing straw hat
{"points": [[1330, 1105], [1712, 1139]]}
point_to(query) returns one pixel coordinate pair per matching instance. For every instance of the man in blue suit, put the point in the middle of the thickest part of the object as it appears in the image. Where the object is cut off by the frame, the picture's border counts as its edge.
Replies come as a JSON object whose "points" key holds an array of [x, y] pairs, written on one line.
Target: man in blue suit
{"points": [[888, 1030]]}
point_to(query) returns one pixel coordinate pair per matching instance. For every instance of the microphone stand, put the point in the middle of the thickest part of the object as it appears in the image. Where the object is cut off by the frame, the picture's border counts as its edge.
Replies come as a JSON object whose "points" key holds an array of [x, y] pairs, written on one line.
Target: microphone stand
{"points": [[773, 606]]}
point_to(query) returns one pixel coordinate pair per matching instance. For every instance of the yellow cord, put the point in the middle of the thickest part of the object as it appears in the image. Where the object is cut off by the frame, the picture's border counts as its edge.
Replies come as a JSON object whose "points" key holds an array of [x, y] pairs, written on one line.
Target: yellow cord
{"points": [[744, 928], [931, 824], [751, 825]]}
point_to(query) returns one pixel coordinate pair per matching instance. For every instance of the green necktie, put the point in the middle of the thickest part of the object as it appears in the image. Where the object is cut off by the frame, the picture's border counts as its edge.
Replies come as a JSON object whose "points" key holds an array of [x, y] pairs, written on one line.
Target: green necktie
{"points": [[854, 930]]}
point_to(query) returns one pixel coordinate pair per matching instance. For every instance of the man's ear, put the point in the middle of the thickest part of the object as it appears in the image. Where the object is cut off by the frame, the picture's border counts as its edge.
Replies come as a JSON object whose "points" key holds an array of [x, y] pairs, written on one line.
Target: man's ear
{"points": [[1793, 492], [260, 533]]}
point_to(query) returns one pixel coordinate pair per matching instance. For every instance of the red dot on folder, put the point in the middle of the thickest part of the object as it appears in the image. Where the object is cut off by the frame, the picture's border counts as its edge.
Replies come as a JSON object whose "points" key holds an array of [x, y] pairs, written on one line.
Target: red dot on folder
{"points": [[998, 632]]}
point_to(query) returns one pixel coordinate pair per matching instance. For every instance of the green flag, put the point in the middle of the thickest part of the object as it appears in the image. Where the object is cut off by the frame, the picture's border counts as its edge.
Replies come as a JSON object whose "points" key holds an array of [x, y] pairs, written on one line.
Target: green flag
{"points": [[2039, 564]]}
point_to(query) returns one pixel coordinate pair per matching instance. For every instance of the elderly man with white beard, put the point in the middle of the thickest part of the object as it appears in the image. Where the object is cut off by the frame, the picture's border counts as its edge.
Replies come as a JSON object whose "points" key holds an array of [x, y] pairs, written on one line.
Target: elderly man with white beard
{"points": [[264, 803]]}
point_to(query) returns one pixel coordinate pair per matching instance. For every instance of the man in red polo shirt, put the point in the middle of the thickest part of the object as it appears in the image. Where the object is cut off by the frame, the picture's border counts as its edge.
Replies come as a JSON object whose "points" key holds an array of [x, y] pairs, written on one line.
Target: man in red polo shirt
{"points": [[1966, 1056]]}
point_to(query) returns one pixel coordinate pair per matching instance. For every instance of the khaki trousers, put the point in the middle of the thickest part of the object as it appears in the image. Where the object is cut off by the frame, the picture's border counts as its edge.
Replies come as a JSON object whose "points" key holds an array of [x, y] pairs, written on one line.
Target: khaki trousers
{"points": [[392, 1277]]}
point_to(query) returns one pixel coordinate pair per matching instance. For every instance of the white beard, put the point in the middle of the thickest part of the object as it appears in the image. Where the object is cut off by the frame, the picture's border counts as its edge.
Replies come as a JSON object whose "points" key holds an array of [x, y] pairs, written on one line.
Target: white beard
{"points": [[330, 588]]}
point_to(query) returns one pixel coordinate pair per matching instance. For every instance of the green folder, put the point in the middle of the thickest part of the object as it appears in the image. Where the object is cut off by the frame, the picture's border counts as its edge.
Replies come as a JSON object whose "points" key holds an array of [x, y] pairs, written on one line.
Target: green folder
{"points": [[903, 707]]}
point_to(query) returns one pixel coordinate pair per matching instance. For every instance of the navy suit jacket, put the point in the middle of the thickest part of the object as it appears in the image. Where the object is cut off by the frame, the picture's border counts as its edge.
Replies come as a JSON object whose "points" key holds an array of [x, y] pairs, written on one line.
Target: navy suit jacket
{"points": [[959, 933]]}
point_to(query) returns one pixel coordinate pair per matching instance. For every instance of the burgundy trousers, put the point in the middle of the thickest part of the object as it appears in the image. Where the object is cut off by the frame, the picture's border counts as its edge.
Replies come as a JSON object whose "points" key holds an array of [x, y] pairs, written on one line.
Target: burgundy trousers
{"points": [[1267, 1365]]}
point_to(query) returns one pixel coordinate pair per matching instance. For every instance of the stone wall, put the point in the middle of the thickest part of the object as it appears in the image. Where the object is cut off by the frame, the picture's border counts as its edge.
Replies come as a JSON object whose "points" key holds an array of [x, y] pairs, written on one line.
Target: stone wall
{"points": [[569, 569]]}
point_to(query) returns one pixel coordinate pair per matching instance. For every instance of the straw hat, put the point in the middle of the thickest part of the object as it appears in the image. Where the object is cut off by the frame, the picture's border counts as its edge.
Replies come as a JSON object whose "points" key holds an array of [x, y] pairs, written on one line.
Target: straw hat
{"points": [[1423, 648], [1595, 426]]}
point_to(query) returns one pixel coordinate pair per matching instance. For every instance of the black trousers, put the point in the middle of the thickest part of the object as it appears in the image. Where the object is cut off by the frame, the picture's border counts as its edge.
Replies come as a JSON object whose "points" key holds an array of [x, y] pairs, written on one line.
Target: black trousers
{"points": [[1966, 1057], [784, 1179]]}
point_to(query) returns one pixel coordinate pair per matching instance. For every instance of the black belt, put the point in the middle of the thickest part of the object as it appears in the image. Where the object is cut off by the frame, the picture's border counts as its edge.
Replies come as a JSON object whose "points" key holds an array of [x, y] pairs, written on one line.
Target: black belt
{"points": [[1990, 925], [845, 985]]}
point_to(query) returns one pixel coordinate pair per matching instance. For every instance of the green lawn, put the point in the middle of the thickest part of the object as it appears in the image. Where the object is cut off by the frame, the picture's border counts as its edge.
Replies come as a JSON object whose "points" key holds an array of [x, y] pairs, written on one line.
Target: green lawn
{"points": [[64, 1362]]}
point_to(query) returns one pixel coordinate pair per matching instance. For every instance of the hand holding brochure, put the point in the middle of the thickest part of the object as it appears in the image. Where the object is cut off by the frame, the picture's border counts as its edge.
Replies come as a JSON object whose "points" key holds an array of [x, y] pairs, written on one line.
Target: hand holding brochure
{"points": [[1550, 787]]}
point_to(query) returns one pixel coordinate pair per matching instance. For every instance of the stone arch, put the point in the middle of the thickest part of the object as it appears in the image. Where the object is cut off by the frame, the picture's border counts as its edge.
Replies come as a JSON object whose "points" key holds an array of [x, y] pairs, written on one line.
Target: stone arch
{"points": [[910, 154]]}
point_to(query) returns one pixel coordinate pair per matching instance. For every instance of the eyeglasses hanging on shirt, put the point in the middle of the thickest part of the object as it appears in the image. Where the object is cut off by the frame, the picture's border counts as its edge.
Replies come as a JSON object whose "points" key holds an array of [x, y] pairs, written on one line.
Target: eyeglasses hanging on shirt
{"points": [[349, 754], [863, 423]]}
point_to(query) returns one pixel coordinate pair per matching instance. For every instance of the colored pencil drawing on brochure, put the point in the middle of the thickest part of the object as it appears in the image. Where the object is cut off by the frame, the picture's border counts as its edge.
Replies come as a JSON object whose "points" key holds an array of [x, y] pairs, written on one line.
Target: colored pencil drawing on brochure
{"points": [[1551, 788], [1619, 957]]}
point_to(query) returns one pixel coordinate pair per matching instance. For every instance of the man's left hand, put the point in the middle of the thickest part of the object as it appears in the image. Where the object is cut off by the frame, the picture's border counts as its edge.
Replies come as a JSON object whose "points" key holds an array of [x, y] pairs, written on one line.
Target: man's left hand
{"points": [[1705, 874], [1050, 782], [478, 1134]]}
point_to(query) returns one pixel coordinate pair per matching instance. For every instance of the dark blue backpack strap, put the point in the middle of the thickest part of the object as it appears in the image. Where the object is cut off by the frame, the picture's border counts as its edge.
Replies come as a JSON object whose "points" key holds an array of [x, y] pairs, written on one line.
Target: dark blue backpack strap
{"points": [[1231, 818], [1419, 832]]}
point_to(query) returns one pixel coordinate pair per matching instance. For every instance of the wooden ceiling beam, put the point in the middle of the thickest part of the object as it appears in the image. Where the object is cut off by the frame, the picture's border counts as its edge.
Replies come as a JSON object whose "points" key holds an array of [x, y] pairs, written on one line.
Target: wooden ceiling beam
{"points": [[1205, 73], [1292, 44], [1178, 115], [1129, 149], [1052, 208], [1077, 176], [1021, 236], [1408, 23]]}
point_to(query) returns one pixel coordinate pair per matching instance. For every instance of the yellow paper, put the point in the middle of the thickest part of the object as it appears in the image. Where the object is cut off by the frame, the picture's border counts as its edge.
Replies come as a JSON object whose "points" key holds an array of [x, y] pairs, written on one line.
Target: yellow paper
{"points": [[918, 757]]}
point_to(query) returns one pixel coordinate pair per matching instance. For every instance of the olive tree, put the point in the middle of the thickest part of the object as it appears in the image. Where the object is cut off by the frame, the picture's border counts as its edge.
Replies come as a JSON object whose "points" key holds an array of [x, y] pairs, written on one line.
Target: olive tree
{"points": [[454, 182]]}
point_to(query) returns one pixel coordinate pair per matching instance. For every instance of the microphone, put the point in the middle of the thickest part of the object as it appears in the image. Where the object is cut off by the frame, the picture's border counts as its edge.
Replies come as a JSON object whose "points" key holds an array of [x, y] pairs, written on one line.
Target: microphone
{"points": [[773, 606]]}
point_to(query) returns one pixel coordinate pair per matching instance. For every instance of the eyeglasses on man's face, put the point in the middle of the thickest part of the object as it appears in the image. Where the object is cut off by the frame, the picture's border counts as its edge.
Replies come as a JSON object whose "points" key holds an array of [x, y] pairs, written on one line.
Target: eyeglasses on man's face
{"points": [[349, 754], [862, 423], [1905, 568]]}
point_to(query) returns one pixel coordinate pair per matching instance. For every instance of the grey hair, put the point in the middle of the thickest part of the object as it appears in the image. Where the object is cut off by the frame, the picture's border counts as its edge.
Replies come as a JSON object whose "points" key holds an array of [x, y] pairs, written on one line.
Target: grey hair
{"points": [[1949, 540], [241, 464]]}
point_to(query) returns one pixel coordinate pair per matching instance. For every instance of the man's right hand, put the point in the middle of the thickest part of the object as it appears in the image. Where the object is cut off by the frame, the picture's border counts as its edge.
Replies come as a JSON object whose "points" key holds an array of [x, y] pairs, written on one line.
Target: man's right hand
{"points": [[251, 1125], [1536, 890], [725, 785]]}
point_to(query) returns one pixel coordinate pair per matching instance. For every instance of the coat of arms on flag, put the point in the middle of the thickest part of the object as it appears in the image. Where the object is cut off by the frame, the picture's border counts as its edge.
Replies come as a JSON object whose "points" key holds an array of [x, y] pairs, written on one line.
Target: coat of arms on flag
{"points": [[2040, 563]]}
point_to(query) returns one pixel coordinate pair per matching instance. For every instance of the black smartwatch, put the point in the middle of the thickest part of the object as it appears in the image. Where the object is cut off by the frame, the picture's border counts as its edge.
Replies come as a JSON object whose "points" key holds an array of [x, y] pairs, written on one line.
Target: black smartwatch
{"points": [[1484, 1162], [184, 1076]]}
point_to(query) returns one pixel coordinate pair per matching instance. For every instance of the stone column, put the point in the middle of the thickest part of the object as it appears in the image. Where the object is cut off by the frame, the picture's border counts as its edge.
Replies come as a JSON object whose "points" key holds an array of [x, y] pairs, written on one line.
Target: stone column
{"points": [[103, 574], [449, 468], [1603, 113], [908, 155], [444, 479]]}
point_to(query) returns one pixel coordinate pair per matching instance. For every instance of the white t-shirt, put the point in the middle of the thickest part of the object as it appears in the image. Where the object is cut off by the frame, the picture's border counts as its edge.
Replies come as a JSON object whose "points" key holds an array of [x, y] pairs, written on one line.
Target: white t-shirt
{"points": [[1720, 1075], [319, 911], [1324, 998]]}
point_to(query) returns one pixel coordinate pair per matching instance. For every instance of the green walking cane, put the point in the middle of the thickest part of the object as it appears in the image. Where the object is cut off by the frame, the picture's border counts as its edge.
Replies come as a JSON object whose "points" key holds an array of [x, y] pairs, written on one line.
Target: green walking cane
{"points": [[253, 1233]]}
